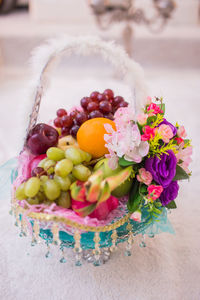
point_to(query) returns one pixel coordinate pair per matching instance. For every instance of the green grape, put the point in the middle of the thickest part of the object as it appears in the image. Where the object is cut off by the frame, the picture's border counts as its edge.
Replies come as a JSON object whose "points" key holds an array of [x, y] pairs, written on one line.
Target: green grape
{"points": [[74, 155], [32, 187], [88, 157], [42, 162], [51, 189], [43, 178], [46, 202], [49, 166], [20, 193], [63, 182], [81, 172], [41, 196], [64, 200], [55, 153], [85, 156], [63, 167], [33, 201], [71, 177]]}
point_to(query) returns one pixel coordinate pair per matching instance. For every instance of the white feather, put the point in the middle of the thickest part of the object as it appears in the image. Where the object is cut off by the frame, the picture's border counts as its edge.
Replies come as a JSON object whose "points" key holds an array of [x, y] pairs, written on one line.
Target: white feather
{"points": [[46, 57]]}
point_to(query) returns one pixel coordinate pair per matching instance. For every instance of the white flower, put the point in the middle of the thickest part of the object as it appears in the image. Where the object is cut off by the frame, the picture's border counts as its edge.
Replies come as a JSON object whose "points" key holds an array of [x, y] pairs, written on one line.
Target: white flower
{"points": [[126, 141]]}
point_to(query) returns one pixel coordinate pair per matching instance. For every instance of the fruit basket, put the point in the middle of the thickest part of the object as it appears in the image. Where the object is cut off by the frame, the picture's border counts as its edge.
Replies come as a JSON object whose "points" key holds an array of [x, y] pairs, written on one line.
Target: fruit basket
{"points": [[103, 172]]}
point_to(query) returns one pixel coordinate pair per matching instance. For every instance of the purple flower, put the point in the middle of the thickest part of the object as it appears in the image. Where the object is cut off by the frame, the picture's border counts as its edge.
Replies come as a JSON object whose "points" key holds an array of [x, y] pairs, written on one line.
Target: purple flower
{"points": [[170, 193], [174, 130], [163, 170]]}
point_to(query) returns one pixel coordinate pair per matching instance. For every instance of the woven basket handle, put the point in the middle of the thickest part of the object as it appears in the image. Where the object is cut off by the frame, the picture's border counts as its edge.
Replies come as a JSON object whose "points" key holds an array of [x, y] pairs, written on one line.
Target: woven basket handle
{"points": [[47, 55]]}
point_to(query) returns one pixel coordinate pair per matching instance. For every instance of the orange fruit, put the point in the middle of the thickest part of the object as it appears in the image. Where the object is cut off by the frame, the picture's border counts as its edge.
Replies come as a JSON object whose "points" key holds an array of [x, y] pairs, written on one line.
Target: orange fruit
{"points": [[90, 136]]}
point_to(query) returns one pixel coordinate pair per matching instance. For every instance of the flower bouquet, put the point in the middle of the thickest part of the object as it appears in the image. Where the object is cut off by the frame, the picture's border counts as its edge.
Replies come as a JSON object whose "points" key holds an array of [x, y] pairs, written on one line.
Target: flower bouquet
{"points": [[102, 172], [158, 152]]}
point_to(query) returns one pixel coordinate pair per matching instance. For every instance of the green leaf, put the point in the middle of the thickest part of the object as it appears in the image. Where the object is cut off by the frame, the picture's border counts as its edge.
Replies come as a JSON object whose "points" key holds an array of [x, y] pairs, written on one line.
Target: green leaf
{"points": [[151, 120], [186, 141], [140, 128], [155, 214], [125, 163], [180, 161], [134, 198], [143, 189], [171, 205], [180, 174], [157, 204], [157, 211], [162, 106]]}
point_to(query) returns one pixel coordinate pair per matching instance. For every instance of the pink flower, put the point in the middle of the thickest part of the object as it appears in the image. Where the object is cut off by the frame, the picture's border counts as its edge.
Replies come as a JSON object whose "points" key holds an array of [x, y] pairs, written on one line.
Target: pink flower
{"points": [[126, 141], [149, 100], [142, 118], [123, 117], [184, 154], [154, 109], [179, 140], [149, 133], [144, 176], [112, 160], [154, 191], [181, 132], [136, 216], [166, 132]]}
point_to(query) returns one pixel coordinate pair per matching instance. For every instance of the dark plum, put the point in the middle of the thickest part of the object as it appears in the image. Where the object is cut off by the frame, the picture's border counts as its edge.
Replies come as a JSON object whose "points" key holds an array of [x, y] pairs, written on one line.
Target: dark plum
{"points": [[41, 138]]}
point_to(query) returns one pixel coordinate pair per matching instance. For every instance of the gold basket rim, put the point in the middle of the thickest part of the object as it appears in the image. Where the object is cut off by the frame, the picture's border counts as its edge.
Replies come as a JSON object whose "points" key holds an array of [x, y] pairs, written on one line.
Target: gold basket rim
{"points": [[59, 219]]}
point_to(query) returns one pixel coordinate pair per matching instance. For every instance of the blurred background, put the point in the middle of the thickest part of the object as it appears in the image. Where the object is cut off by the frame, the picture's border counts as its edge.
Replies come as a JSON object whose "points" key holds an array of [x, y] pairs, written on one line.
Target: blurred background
{"points": [[162, 35]]}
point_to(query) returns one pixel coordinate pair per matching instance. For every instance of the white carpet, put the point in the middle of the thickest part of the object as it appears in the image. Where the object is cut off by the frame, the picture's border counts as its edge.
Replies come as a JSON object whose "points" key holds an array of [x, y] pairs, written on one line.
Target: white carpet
{"points": [[169, 268]]}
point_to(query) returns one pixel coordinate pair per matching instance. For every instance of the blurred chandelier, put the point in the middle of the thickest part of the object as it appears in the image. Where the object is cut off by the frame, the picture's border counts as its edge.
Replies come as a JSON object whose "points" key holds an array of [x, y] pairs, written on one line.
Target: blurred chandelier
{"points": [[108, 12]]}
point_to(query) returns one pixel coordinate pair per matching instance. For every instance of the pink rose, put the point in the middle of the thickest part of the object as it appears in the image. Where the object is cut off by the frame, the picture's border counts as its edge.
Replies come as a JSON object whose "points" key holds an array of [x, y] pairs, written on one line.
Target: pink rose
{"points": [[144, 176], [149, 133], [136, 216], [154, 109], [166, 132], [142, 118], [181, 132], [184, 155], [154, 191]]}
